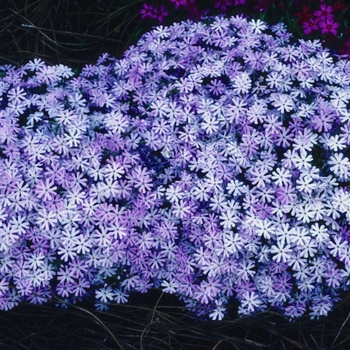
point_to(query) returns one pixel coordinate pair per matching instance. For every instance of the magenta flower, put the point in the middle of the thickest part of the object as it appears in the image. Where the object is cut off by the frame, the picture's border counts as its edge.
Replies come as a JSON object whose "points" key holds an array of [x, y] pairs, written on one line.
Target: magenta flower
{"points": [[329, 26], [192, 9], [148, 11], [160, 13], [177, 3], [324, 13], [310, 25], [222, 4], [239, 2]]}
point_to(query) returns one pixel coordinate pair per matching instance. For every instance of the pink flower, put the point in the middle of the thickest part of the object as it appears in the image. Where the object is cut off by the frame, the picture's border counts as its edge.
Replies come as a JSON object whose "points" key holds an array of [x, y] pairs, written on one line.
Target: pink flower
{"points": [[329, 26], [310, 25]]}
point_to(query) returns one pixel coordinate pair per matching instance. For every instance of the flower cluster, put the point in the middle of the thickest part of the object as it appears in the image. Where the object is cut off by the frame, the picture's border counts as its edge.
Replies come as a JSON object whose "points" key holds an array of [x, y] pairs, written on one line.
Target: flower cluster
{"points": [[211, 162], [322, 19]]}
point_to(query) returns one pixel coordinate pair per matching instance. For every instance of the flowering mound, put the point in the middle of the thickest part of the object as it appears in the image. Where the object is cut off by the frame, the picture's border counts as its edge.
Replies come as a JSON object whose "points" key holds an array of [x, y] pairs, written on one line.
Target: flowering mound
{"points": [[210, 162]]}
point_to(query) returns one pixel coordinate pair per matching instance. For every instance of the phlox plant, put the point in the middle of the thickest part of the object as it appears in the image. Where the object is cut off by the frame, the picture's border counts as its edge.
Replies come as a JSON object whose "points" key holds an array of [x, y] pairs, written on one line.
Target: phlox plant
{"points": [[210, 162]]}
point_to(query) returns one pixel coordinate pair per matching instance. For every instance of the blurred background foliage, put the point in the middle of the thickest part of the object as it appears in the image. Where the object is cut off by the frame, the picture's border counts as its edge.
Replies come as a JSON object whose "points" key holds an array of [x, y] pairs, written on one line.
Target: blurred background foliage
{"points": [[66, 31]]}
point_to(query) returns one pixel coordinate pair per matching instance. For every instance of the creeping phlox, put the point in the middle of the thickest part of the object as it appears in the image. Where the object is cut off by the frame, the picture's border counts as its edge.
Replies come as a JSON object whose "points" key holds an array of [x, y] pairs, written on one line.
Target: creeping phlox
{"points": [[210, 162]]}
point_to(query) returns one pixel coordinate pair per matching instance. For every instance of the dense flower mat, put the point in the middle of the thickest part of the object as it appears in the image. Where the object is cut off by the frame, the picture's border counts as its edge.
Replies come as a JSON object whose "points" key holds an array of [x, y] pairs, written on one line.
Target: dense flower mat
{"points": [[210, 162]]}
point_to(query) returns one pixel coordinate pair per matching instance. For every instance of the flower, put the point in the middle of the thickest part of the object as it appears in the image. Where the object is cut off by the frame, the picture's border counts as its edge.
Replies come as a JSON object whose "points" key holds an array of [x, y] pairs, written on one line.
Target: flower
{"points": [[160, 13], [304, 15], [250, 302], [105, 294], [222, 4], [282, 252], [45, 189], [338, 6], [311, 24], [321, 306], [324, 13], [148, 11], [328, 26], [177, 3], [219, 311]]}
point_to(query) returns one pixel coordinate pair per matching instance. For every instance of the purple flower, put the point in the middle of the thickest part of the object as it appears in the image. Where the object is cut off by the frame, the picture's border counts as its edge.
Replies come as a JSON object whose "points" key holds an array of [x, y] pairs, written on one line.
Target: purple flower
{"points": [[177, 3]]}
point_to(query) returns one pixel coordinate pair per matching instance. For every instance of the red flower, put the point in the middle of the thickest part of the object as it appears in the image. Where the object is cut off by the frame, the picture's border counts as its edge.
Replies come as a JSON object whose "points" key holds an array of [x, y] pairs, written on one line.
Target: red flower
{"points": [[262, 5], [304, 15], [338, 6]]}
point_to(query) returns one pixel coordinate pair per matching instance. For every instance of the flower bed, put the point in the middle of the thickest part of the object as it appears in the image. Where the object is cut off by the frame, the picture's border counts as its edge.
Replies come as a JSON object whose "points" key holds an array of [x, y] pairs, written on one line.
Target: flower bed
{"points": [[210, 162]]}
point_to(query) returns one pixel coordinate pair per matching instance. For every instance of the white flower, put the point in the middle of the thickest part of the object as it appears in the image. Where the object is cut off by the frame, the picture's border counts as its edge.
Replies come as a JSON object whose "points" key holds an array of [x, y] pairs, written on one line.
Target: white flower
{"points": [[250, 301], [340, 165], [210, 124], [281, 252], [336, 143], [105, 294], [228, 219], [282, 102], [265, 228], [242, 83], [218, 313], [341, 200], [281, 176], [201, 192]]}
